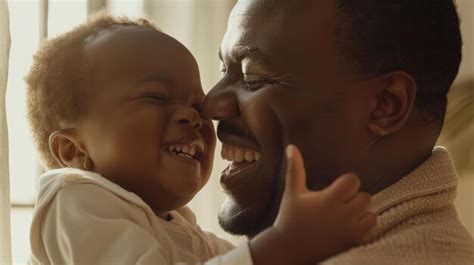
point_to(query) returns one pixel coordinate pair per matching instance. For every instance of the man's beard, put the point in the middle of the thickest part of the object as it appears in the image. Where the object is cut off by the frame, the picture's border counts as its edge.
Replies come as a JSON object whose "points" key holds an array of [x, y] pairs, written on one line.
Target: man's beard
{"points": [[251, 220]]}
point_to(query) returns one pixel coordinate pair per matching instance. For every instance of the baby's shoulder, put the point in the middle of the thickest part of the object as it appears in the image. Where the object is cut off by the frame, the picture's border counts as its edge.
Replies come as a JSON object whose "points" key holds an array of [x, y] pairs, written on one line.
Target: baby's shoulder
{"points": [[86, 192]]}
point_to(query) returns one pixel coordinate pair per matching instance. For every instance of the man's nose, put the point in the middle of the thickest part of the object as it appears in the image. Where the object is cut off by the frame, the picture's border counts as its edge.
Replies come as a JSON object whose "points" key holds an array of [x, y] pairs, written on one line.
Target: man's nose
{"points": [[188, 116], [220, 104]]}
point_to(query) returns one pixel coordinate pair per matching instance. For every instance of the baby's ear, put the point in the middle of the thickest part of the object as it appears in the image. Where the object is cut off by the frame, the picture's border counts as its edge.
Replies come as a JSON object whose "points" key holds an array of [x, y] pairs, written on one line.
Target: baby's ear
{"points": [[394, 102], [68, 149]]}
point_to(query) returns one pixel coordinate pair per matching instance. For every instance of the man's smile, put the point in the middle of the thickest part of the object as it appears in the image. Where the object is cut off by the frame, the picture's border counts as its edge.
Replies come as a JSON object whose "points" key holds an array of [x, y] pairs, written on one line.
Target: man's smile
{"points": [[241, 159], [243, 156]]}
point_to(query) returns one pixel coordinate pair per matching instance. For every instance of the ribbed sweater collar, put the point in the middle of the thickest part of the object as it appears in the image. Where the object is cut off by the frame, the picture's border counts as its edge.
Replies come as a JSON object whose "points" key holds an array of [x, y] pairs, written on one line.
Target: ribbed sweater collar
{"points": [[434, 175]]}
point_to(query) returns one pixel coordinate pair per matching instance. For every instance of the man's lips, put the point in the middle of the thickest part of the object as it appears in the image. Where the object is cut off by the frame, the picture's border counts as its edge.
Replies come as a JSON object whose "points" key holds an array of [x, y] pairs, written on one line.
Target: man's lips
{"points": [[243, 156]]}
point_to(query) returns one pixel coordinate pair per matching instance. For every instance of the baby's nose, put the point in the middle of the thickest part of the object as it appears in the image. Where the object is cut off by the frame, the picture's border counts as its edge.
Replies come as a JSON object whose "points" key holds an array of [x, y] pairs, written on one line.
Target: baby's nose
{"points": [[188, 116]]}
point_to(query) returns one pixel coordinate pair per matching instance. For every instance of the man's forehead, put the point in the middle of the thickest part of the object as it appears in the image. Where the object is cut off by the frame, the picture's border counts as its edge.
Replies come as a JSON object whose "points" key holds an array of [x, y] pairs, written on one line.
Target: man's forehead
{"points": [[246, 28], [256, 24], [281, 17], [281, 10], [262, 7]]}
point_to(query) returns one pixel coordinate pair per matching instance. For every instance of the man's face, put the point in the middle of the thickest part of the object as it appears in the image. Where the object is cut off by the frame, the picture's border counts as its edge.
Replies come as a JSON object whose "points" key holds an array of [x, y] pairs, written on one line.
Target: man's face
{"points": [[282, 83], [143, 130]]}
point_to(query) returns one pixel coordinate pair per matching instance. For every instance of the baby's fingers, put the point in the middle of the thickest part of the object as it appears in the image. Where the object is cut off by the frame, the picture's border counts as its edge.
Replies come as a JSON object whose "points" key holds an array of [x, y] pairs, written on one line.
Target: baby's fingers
{"points": [[366, 223], [345, 187], [361, 202], [295, 179]]}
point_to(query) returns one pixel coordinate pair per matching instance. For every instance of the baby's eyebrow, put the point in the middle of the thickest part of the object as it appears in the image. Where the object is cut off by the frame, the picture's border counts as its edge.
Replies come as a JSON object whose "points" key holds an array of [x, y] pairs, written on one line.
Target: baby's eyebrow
{"points": [[156, 77]]}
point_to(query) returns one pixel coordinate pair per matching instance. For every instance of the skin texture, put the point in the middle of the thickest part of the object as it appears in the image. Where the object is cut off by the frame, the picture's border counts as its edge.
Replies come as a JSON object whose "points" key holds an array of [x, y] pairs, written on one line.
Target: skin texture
{"points": [[284, 83], [141, 102]]}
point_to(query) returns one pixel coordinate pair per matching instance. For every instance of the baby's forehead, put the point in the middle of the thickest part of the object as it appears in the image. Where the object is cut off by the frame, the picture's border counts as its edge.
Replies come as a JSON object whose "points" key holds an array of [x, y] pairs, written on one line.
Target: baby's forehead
{"points": [[134, 46], [139, 54], [121, 36]]}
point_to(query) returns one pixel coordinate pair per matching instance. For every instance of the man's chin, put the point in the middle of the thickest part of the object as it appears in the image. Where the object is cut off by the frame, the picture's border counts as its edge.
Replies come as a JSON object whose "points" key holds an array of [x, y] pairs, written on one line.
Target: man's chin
{"points": [[247, 221]]}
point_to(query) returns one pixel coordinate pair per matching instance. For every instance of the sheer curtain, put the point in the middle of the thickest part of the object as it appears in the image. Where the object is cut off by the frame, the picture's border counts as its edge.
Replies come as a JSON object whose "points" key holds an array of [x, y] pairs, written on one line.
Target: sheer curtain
{"points": [[5, 235]]}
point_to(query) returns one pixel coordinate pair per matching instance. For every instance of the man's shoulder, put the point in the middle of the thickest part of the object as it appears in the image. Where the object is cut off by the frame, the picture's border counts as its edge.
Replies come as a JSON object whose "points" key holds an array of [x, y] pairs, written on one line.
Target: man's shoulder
{"points": [[434, 238]]}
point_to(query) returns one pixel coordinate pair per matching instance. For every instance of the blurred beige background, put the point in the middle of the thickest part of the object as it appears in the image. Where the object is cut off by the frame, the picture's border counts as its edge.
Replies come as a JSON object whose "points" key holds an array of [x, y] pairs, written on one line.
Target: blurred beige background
{"points": [[458, 133]]}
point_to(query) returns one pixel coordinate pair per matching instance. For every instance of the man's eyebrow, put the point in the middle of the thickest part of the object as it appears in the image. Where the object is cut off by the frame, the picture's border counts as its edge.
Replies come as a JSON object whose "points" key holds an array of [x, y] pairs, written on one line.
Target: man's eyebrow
{"points": [[238, 53]]}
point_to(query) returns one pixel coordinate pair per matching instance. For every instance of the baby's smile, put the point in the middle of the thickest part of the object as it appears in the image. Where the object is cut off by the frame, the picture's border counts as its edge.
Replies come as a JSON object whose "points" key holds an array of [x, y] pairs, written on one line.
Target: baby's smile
{"points": [[192, 150]]}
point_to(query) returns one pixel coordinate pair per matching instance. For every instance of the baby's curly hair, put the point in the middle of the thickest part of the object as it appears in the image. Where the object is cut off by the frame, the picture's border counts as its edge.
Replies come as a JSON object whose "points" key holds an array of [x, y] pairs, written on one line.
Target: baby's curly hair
{"points": [[58, 77]]}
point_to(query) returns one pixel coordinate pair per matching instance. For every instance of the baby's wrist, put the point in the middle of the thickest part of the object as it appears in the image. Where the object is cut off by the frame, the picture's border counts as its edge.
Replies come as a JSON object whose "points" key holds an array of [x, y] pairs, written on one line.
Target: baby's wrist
{"points": [[273, 247]]}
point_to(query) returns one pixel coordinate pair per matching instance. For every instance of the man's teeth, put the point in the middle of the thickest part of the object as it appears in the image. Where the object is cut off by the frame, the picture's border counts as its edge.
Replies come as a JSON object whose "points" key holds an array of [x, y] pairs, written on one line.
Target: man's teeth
{"points": [[237, 154]]}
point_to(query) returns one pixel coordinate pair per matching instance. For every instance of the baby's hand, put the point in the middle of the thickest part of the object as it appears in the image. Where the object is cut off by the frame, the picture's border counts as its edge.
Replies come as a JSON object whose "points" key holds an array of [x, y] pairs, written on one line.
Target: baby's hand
{"points": [[315, 225]]}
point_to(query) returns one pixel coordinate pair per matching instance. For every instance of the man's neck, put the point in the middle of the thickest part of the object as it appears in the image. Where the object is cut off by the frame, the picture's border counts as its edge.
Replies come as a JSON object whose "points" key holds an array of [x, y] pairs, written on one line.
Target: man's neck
{"points": [[386, 174]]}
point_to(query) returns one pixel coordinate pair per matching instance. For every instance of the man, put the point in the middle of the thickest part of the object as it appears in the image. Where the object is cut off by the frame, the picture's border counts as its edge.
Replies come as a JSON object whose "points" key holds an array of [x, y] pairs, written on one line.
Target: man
{"points": [[358, 86]]}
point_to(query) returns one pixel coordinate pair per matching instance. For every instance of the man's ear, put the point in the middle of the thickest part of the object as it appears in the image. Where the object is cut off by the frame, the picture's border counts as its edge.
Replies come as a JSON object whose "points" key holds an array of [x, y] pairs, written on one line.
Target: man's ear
{"points": [[393, 105], [68, 149]]}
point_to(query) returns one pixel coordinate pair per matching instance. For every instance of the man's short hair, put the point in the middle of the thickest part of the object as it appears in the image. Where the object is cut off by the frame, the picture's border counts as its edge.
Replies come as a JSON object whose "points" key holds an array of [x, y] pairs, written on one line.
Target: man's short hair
{"points": [[59, 77], [420, 37]]}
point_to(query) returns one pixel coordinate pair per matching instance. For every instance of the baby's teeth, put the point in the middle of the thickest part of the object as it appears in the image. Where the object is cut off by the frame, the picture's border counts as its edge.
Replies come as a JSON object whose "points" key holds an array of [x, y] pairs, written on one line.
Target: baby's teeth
{"points": [[257, 156], [178, 148], [249, 156], [170, 148], [192, 151], [185, 149]]}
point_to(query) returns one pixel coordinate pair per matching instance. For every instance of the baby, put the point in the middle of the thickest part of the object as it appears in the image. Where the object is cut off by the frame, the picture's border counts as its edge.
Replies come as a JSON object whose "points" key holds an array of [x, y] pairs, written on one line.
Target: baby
{"points": [[114, 107]]}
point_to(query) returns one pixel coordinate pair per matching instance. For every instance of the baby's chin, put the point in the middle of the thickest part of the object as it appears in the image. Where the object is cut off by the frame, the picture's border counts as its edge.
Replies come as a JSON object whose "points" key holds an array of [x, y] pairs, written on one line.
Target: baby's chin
{"points": [[180, 189], [173, 202]]}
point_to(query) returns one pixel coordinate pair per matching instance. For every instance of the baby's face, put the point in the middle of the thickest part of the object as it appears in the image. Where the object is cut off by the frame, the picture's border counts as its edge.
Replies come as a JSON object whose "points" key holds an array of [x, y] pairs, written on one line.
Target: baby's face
{"points": [[143, 130]]}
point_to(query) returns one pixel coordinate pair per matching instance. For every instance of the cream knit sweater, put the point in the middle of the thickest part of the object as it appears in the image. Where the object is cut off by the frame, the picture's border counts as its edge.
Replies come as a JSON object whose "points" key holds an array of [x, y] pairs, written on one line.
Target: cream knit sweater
{"points": [[417, 221]]}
